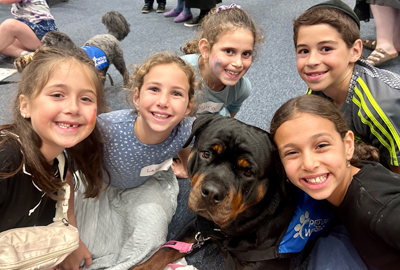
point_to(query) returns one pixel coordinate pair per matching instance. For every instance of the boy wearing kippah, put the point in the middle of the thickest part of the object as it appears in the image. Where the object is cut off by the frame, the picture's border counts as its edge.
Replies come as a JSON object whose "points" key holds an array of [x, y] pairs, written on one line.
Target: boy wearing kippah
{"points": [[328, 51]]}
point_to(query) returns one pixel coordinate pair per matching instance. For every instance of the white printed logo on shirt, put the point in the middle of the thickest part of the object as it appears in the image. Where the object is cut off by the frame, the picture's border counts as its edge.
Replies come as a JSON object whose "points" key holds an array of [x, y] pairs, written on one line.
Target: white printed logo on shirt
{"points": [[210, 107], [152, 169]]}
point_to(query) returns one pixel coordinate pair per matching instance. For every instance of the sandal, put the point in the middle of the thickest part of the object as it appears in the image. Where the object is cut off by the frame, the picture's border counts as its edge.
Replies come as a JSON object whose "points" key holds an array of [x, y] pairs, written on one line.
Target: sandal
{"points": [[369, 44], [379, 56]]}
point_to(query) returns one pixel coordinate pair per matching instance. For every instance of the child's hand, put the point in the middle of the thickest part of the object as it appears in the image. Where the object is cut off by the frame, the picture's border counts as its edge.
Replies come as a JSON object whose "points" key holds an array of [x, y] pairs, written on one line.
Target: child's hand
{"points": [[178, 168], [10, 2], [72, 262]]}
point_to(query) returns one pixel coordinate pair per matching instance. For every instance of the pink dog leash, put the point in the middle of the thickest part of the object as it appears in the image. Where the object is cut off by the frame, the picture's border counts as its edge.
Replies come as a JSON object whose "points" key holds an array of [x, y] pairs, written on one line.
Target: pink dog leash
{"points": [[183, 247]]}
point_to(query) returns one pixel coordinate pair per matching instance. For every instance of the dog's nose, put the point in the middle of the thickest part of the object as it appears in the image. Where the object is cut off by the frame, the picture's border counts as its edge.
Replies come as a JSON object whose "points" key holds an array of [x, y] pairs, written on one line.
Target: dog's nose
{"points": [[213, 192]]}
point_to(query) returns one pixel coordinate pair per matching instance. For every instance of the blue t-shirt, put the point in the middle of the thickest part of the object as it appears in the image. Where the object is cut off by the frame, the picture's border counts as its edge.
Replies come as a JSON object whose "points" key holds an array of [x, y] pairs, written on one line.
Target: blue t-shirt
{"points": [[131, 162], [310, 219], [224, 102]]}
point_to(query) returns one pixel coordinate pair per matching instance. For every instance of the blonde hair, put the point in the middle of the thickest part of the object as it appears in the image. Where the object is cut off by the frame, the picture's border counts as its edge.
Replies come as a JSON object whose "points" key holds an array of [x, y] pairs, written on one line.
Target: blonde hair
{"points": [[162, 58], [216, 23]]}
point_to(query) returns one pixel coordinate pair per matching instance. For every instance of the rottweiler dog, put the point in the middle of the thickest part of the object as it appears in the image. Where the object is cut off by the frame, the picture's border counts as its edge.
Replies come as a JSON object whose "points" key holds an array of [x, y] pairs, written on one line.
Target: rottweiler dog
{"points": [[239, 194]]}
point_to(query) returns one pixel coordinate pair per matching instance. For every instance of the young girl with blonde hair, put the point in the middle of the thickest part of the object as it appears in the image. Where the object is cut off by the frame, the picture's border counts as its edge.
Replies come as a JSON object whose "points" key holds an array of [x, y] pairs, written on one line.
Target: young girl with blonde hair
{"points": [[130, 219]]}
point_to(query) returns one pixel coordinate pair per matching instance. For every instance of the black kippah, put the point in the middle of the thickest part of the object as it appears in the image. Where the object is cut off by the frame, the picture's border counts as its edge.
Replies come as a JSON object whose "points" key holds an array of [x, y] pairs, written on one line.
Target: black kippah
{"points": [[339, 5]]}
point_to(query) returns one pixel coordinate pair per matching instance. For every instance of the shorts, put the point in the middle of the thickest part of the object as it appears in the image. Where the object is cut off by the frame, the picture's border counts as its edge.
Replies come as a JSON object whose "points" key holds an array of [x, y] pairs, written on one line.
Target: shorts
{"points": [[40, 28]]}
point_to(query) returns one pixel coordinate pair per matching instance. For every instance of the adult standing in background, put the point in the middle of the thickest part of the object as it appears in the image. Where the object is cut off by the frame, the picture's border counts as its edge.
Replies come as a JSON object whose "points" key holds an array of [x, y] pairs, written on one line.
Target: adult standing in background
{"points": [[148, 6], [386, 14], [204, 5]]}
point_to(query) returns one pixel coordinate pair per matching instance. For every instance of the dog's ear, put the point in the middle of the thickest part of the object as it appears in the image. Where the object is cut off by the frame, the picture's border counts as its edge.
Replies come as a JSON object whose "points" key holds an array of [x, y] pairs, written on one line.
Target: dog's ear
{"points": [[199, 124]]}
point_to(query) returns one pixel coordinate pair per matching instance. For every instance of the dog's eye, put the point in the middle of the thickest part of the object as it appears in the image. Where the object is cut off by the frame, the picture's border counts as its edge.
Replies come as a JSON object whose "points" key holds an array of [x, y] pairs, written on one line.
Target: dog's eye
{"points": [[205, 154], [248, 173]]}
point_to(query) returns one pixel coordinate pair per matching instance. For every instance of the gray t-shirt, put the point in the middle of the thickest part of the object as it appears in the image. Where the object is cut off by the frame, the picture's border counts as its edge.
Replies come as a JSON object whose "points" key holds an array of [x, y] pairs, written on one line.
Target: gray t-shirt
{"points": [[224, 102]]}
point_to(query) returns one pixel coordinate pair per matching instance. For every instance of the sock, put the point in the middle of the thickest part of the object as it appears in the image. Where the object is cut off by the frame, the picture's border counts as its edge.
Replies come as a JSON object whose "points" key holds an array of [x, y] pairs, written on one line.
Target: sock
{"points": [[23, 53]]}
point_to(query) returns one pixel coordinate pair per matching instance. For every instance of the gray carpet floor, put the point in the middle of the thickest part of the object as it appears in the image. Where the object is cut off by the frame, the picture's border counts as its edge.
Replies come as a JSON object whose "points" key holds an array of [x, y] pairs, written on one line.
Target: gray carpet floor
{"points": [[273, 74]]}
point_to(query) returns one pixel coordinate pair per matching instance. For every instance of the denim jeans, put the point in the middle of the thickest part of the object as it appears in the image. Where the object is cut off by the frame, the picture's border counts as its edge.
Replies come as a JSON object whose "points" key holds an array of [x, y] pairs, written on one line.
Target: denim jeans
{"points": [[335, 251]]}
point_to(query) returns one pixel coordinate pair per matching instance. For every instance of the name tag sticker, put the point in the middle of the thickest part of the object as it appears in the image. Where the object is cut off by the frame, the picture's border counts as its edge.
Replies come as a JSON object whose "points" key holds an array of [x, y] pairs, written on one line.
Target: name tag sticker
{"points": [[210, 107], [152, 169]]}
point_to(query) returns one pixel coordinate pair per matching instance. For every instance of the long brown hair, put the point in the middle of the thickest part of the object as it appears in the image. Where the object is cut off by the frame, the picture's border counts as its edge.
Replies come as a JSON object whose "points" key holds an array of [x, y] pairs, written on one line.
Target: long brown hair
{"points": [[324, 108], [87, 156]]}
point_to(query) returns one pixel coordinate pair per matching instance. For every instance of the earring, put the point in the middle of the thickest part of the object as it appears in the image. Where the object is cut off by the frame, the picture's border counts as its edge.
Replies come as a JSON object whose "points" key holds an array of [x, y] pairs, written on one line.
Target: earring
{"points": [[348, 164], [287, 180], [138, 113], [24, 115]]}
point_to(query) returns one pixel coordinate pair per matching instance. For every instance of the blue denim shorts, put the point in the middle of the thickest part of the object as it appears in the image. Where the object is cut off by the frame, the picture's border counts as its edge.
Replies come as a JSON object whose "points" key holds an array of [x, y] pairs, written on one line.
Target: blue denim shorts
{"points": [[40, 28]]}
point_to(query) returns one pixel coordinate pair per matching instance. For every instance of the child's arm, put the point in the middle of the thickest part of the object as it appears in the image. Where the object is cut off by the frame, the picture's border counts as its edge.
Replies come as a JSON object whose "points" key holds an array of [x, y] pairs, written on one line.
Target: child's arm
{"points": [[395, 169], [82, 253], [180, 166], [9, 2]]}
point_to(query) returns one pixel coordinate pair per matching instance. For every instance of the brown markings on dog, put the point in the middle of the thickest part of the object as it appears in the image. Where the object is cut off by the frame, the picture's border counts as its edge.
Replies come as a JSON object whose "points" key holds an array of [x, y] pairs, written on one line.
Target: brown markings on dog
{"points": [[218, 148], [194, 196], [243, 163], [194, 181], [190, 156], [261, 193], [238, 206]]}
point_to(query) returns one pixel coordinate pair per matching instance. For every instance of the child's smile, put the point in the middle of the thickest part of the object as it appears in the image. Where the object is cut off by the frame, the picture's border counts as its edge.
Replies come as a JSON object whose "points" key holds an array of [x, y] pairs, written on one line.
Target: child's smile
{"points": [[324, 61], [162, 102], [229, 59], [71, 104], [316, 182], [315, 156]]}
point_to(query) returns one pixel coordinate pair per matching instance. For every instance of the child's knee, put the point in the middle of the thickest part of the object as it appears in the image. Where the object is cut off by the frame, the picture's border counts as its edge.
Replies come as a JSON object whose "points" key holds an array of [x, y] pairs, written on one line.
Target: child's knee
{"points": [[9, 25]]}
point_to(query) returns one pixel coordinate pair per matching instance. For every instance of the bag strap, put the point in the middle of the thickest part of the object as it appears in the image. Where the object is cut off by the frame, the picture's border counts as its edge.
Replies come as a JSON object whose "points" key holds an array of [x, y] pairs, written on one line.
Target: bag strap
{"points": [[64, 192]]}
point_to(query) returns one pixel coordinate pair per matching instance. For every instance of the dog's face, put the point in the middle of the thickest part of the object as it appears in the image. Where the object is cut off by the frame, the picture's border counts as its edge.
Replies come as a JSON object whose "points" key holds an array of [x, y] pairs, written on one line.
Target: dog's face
{"points": [[231, 168]]}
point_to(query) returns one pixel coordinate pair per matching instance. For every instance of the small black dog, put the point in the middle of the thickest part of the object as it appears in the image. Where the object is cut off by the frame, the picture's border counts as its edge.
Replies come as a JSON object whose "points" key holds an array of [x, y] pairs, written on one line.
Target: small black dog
{"points": [[239, 194], [104, 49]]}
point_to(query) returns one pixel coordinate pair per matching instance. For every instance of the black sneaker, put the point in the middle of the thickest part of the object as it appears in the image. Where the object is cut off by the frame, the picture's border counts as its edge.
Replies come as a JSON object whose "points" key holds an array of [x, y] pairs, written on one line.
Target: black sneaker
{"points": [[194, 22], [147, 8], [161, 8]]}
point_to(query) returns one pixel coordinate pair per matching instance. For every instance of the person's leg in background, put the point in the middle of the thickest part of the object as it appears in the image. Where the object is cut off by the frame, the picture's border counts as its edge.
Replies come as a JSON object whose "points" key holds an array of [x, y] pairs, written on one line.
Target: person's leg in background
{"points": [[197, 20], [17, 37], [387, 22], [161, 6], [204, 5], [148, 6], [181, 12]]}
